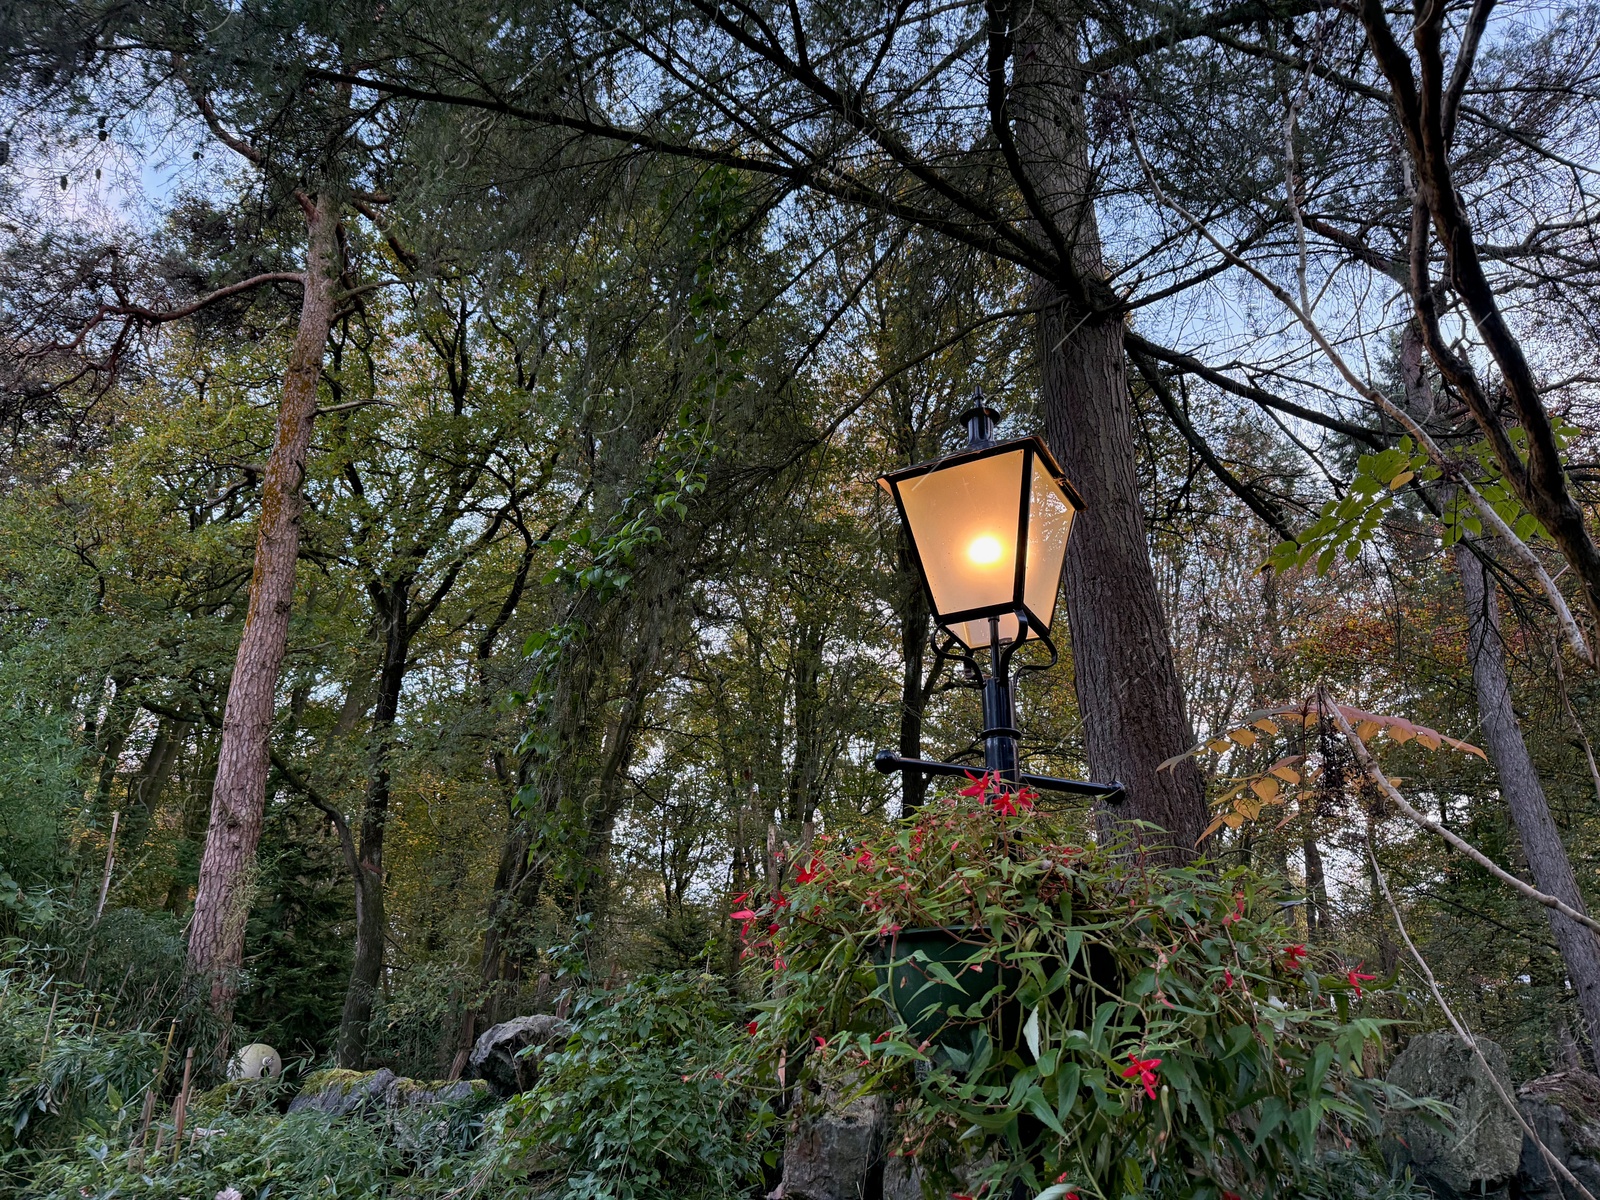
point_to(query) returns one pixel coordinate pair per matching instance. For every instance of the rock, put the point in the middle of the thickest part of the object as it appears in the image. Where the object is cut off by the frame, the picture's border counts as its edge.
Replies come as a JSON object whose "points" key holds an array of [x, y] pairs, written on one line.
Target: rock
{"points": [[497, 1056], [905, 1179], [1564, 1110], [432, 1093], [835, 1152], [1480, 1153], [340, 1093], [438, 1113], [902, 1178], [423, 1115]]}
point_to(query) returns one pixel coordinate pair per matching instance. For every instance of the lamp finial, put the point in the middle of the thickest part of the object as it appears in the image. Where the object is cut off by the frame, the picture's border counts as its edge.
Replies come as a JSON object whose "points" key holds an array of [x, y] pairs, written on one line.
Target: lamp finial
{"points": [[980, 420]]}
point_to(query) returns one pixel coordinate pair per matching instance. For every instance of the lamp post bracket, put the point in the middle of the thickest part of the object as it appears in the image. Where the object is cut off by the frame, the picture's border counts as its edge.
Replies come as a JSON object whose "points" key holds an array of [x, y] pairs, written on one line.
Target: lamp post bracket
{"points": [[889, 762]]}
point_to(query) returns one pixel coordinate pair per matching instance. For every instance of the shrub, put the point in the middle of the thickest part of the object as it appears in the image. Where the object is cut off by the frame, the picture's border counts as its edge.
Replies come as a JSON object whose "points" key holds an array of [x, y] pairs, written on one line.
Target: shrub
{"points": [[236, 1138], [646, 1100], [1167, 1039], [61, 1070], [259, 1154]]}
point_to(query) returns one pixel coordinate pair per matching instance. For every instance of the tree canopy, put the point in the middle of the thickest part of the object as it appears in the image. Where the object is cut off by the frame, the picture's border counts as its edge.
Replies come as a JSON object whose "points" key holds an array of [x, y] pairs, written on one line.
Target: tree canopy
{"points": [[443, 576]]}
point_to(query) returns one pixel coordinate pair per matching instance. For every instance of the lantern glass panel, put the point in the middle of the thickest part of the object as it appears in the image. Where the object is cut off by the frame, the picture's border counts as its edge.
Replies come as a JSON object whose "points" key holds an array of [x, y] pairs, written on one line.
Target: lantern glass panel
{"points": [[964, 520], [975, 633], [1049, 522]]}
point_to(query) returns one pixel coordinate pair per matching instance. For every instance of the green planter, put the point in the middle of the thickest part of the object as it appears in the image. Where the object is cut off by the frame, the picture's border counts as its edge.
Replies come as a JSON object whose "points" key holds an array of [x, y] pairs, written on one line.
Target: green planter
{"points": [[934, 1010]]}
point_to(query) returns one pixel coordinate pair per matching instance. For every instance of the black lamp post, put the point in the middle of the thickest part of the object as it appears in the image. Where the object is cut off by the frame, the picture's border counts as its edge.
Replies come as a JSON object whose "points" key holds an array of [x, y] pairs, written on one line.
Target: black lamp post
{"points": [[988, 527]]}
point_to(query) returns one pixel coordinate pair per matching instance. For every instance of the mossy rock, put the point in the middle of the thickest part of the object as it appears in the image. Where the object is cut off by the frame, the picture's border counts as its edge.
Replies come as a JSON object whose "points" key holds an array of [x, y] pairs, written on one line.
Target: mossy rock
{"points": [[321, 1081], [338, 1092], [463, 1093]]}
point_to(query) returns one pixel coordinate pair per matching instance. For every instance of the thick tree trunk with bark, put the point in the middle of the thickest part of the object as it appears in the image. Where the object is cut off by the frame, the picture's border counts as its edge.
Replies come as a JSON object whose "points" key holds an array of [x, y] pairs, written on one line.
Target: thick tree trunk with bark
{"points": [[366, 967], [1129, 694], [1521, 789], [216, 931]]}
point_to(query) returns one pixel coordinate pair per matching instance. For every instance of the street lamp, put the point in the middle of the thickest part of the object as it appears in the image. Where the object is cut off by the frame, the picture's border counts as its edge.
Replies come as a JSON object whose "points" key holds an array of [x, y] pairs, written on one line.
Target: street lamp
{"points": [[988, 527]]}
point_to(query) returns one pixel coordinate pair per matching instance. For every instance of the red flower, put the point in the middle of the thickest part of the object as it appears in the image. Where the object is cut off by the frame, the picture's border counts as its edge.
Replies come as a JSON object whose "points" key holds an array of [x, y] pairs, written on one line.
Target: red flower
{"points": [[752, 1028], [1356, 978], [882, 1037], [1004, 805], [1294, 956], [1227, 978], [1238, 909], [741, 897], [1230, 1196], [1145, 1070], [1026, 799], [979, 787], [822, 1041], [745, 915], [864, 859], [810, 871]]}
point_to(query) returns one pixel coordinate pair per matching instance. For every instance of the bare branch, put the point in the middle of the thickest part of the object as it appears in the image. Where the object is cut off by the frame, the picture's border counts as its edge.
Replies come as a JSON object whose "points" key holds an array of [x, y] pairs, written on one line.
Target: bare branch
{"points": [[1379, 400], [150, 316]]}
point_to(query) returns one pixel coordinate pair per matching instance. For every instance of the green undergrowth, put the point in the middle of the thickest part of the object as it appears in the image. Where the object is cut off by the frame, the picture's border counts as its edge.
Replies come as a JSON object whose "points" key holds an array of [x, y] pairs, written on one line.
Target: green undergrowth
{"points": [[1151, 1032], [1137, 1029]]}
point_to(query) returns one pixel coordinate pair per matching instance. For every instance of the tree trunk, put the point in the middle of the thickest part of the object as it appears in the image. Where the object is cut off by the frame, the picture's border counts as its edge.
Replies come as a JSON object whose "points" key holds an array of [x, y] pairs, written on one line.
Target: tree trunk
{"points": [[145, 788], [1519, 782], [592, 884], [811, 738], [912, 606], [366, 967], [1317, 913], [216, 931], [1520, 787], [516, 890], [1129, 694]]}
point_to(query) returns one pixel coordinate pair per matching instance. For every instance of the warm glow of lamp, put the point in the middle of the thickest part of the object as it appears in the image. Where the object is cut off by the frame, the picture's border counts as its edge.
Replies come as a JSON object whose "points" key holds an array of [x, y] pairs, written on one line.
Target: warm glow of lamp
{"points": [[989, 530], [985, 550]]}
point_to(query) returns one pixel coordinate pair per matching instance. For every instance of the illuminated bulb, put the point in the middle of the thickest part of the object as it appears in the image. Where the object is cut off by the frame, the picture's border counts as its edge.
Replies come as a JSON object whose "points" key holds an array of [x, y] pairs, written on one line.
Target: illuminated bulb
{"points": [[985, 550]]}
